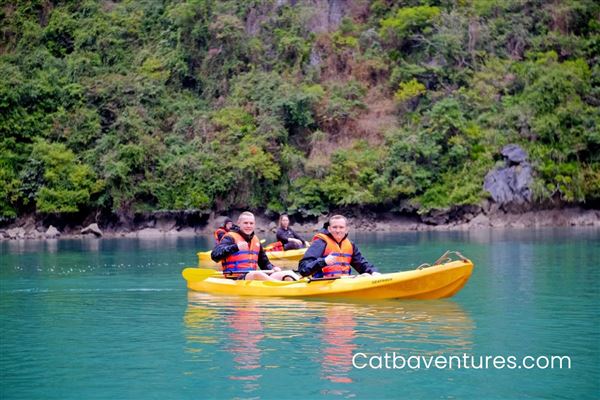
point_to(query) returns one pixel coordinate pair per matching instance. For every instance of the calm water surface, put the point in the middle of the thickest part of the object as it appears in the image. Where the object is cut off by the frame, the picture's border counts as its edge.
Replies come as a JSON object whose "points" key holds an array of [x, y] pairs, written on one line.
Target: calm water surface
{"points": [[111, 318]]}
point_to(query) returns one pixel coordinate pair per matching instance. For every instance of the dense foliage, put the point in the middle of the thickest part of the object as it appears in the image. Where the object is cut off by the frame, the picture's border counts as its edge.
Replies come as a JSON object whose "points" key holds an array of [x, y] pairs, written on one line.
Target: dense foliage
{"points": [[210, 105]]}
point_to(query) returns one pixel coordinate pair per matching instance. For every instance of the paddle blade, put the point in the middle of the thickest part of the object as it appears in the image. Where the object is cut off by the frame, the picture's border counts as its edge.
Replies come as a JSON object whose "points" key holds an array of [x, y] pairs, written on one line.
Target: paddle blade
{"points": [[198, 274]]}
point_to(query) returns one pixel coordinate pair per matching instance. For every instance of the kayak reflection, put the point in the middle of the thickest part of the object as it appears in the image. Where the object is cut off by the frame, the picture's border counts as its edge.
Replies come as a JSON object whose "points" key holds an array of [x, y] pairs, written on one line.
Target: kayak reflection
{"points": [[408, 328], [338, 340], [235, 327], [246, 332], [255, 340]]}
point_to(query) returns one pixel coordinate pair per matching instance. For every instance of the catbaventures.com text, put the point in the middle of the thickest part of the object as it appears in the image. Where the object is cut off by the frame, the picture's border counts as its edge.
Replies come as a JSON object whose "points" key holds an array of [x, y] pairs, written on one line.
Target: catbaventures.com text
{"points": [[394, 360]]}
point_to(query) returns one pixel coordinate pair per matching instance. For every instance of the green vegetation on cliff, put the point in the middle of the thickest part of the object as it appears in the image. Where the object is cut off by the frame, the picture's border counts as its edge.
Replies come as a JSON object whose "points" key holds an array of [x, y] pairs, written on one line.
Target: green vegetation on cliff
{"points": [[209, 105]]}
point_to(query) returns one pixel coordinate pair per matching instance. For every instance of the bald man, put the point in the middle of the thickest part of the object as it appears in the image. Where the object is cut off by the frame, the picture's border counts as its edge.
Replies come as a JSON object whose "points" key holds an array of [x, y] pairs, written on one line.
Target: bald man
{"points": [[242, 256]]}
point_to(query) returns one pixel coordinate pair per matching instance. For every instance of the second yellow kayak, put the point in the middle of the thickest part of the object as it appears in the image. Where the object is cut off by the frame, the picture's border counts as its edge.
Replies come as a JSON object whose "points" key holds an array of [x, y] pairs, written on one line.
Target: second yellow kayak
{"points": [[279, 258]]}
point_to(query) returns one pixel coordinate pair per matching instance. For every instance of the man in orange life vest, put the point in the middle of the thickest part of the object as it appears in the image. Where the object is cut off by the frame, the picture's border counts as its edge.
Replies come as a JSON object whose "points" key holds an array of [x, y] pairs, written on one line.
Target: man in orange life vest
{"points": [[331, 253], [222, 230], [241, 254]]}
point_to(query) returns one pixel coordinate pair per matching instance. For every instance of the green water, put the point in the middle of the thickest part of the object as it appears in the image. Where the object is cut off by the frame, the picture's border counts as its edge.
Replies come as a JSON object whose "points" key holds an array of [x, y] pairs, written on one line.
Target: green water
{"points": [[112, 319]]}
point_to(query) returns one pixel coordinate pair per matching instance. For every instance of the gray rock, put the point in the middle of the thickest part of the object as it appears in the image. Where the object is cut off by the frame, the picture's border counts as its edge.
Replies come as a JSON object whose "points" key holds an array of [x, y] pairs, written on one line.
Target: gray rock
{"points": [[498, 223], [480, 220], [33, 235], [585, 218], [184, 232], [318, 15], [337, 9], [29, 225], [436, 217], [252, 22], [52, 232], [511, 184], [92, 228], [148, 233], [15, 233], [314, 58], [465, 213], [165, 224], [513, 153]]}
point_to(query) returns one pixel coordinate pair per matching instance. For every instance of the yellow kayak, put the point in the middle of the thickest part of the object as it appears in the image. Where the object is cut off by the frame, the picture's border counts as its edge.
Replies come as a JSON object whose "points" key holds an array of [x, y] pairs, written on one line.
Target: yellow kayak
{"points": [[432, 282], [279, 258]]}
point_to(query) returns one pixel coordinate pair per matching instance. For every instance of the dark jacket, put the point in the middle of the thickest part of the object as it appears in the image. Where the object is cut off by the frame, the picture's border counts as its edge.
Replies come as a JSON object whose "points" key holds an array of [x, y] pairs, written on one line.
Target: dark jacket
{"points": [[227, 247], [313, 260], [283, 235]]}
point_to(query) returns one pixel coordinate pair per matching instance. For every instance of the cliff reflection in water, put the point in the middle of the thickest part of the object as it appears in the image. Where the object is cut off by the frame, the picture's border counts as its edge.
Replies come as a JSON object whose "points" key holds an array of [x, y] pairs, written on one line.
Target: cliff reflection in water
{"points": [[250, 339]]}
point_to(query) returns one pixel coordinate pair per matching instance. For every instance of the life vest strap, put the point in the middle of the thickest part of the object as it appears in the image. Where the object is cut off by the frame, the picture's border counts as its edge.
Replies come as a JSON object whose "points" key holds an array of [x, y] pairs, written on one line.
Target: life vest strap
{"points": [[249, 261], [340, 263], [341, 254], [246, 252]]}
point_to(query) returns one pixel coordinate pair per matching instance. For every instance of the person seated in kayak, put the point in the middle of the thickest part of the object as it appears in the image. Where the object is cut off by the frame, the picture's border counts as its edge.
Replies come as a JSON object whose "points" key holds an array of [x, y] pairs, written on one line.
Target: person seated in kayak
{"points": [[222, 230], [332, 254], [286, 235], [241, 254]]}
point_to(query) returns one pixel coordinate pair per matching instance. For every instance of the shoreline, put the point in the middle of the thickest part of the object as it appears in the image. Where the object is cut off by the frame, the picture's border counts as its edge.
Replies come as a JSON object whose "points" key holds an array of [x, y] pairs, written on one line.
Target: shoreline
{"points": [[166, 225]]}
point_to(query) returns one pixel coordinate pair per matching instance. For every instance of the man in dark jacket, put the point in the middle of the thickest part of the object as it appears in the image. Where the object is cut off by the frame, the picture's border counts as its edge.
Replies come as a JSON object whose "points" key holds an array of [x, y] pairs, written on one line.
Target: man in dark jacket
{"points": [[331, 253], [241, 247]]}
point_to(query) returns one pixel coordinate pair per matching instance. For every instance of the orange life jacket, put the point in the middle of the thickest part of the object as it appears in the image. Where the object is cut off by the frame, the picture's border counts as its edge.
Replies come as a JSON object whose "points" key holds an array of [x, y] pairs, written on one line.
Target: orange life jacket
{"points": [[275, 246], [343, 257], [216, 234], [244, 261]]}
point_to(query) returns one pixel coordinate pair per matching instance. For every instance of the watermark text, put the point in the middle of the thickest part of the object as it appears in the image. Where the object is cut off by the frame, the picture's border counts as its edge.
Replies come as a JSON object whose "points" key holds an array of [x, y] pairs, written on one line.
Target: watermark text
{"points": [[394, 360]]}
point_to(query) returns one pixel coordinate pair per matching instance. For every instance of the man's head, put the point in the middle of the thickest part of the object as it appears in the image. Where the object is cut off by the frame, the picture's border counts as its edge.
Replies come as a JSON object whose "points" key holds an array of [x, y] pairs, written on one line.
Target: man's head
{"points": [[228, 223], [338, 227], [246, 222]]}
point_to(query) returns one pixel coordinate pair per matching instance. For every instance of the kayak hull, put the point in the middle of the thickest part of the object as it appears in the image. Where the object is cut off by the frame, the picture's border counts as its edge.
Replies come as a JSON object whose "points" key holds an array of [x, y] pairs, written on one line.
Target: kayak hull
{"points": [[434, 282], [285, 258]]}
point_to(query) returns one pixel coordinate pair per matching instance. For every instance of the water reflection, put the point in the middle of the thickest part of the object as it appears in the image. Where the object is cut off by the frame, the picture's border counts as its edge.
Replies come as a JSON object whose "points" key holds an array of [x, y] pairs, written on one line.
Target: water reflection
{"points": [[338, 341], [51, 245], [16, 246], [234, 325], [91, 245], [245, 334], [242, 339], [201, 320]]}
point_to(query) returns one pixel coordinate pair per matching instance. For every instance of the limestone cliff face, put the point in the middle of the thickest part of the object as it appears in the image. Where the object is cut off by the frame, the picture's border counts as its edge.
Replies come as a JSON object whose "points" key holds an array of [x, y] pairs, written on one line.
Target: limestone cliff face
{"points": [[328, 14], [322, 15]]}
